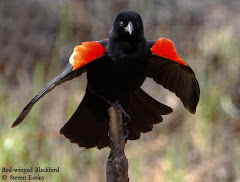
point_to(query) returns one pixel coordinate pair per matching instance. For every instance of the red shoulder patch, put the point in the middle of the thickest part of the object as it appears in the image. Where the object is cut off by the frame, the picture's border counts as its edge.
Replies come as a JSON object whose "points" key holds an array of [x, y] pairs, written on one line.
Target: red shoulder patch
{"points": [[86, 53], [165, 48]]}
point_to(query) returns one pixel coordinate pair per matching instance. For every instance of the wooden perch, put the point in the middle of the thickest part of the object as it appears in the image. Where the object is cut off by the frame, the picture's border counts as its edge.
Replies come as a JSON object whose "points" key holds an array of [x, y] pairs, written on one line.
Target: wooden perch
{"points": [[117, 163]]}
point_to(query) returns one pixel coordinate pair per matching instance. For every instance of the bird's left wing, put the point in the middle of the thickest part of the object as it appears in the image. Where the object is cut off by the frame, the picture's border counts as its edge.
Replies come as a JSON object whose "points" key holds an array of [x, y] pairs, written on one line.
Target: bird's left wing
{"points": [[168, 69], [81, 56]]}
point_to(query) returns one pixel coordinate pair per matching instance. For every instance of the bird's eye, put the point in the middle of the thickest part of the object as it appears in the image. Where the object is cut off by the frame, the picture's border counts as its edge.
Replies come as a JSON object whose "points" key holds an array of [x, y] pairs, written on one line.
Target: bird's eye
{"points": [[121, 23]]}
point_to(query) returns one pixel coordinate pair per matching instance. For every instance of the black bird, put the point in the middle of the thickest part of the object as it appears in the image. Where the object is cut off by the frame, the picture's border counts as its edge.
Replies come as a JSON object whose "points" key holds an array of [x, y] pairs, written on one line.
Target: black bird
{"points": [[116, 68]]}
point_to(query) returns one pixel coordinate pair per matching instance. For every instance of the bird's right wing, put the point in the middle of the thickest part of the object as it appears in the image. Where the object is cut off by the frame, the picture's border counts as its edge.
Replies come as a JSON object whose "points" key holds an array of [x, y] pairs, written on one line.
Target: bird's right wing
{"points": [[81, 56]]}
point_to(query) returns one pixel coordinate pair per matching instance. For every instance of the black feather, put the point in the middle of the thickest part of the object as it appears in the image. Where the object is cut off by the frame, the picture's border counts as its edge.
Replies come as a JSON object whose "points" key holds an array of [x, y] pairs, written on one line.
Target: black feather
{"points": [[177, 78]]}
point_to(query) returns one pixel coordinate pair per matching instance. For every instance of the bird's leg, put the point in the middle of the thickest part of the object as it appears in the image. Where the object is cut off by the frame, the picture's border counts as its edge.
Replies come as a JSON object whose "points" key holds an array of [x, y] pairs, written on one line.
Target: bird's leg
{"points": [[116, 106], [118, 109], [126, 131]]}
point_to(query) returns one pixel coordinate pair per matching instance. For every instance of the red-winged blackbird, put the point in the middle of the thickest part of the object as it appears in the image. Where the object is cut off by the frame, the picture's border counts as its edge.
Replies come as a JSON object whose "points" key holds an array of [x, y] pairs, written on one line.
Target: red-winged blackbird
{"points": [[116, 68]]}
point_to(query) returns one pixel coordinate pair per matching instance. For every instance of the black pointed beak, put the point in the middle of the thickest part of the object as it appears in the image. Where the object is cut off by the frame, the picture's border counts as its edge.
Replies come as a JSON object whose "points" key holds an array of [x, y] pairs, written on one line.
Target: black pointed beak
{"points": [[129, 28]]}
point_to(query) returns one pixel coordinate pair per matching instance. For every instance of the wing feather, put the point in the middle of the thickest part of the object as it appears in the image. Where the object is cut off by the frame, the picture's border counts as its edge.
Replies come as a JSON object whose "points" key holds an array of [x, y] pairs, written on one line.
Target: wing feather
{"points": [[176, 77], [65, 75], [72, 70]]}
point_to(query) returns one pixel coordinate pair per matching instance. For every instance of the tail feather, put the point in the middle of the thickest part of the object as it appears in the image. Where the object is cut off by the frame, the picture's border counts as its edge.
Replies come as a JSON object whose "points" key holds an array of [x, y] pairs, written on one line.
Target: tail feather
{"points": [[151, 103], [88, 127], [144, 112]]}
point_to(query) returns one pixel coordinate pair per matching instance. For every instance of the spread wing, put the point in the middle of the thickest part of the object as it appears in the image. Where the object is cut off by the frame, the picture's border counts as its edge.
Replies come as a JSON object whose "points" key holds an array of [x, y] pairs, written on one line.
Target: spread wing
{"points": [[82, 55], [168, 69]]}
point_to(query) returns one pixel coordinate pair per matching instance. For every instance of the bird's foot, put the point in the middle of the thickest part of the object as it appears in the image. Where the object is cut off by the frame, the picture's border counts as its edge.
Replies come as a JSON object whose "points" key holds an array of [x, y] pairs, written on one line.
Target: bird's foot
{"points": [[125, 130], [119, 108]]}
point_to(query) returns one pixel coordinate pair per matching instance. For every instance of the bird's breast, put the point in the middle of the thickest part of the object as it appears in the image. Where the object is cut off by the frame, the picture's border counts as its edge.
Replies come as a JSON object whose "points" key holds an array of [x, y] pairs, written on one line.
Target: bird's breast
{"points": [[121, 70], [109, 77]]}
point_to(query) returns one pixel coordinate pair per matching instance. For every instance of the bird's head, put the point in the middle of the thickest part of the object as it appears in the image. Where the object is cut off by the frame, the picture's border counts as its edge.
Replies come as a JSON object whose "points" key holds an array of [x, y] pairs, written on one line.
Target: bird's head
{"points": [[127, 26]]}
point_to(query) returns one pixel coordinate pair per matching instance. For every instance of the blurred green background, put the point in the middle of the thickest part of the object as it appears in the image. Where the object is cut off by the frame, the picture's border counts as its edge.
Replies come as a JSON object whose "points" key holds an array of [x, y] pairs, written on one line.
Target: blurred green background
{"points": [[38, 36]]}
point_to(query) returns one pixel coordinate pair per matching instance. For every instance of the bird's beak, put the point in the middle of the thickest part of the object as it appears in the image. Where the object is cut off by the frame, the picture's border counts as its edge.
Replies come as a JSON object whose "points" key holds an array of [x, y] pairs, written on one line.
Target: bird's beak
{"points": [[129, 28]]}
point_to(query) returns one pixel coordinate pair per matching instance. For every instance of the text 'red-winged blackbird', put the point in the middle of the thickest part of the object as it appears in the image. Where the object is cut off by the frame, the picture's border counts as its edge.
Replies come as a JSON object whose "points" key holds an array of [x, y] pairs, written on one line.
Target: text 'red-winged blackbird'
{"points": [[116, 68]]}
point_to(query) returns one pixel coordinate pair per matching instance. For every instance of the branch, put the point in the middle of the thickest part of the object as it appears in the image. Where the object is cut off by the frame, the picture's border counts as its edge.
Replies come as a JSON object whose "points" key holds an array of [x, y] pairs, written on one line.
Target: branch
{"points": [[117, 163]]}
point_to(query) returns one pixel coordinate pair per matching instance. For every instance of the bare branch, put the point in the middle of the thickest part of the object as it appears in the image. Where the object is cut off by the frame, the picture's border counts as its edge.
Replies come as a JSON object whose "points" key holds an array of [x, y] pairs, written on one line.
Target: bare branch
{"points": [[117, 163]]}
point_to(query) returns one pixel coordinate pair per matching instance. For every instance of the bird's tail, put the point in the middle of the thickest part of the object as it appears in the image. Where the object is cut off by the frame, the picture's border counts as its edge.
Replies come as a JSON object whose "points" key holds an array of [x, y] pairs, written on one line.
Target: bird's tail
{"points": [[144, 112], [88, 127]]}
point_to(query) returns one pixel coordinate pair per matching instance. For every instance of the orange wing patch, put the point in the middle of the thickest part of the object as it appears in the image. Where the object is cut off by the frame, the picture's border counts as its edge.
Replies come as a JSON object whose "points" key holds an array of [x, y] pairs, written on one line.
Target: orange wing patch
{"points": [[165, 48], [86, 53]]}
